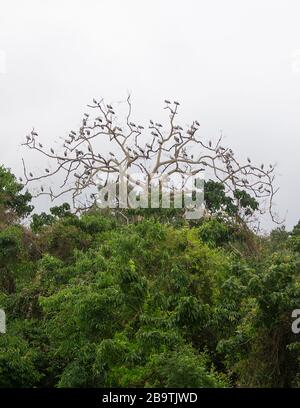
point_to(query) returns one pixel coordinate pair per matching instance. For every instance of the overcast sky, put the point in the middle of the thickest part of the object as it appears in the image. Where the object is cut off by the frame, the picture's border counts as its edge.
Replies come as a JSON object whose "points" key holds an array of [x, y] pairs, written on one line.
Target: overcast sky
{"points": [[234, 65]]}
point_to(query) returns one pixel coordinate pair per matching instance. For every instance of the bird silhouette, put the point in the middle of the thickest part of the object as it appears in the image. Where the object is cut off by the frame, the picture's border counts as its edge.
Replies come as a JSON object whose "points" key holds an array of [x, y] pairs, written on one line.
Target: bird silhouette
{"points": [[52, 151]]}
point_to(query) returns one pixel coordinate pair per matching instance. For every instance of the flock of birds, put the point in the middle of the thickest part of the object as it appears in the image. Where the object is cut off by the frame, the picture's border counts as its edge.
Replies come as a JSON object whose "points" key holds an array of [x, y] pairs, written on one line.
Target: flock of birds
{"points": [[105, 122]]}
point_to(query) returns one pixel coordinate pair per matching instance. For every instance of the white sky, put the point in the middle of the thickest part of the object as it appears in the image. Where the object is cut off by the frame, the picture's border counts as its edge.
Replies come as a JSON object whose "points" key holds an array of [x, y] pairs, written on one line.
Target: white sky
{"points": [[234, 65]]}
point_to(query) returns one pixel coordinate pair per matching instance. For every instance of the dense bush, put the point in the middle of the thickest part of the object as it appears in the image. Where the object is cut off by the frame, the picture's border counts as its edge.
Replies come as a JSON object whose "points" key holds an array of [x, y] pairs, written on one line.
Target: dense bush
{"points": [[92, 301]]}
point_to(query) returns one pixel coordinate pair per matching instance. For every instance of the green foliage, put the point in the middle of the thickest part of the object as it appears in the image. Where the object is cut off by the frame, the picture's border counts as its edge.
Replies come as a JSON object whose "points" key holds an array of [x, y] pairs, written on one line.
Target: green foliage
{"points": [[43, 219], [219, 203], [10, 244], [215, 232], [19, 362], [13, 204], [93, 301]]}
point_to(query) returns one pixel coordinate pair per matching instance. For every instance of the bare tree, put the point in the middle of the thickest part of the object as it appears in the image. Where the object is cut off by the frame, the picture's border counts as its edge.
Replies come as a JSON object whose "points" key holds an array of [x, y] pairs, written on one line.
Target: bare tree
{"points": [[156, 149]]}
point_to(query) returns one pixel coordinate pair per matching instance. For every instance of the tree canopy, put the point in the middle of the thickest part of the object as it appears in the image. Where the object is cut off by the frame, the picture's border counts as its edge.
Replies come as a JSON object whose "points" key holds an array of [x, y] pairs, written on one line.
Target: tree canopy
{"points": [[158, 301]]}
